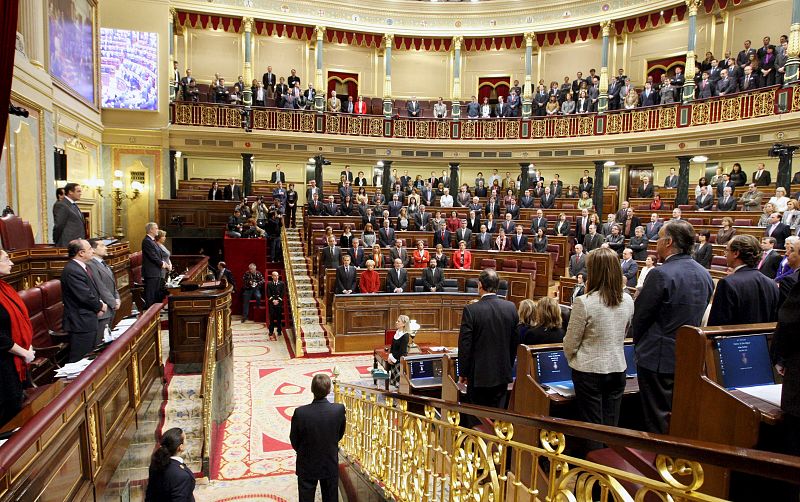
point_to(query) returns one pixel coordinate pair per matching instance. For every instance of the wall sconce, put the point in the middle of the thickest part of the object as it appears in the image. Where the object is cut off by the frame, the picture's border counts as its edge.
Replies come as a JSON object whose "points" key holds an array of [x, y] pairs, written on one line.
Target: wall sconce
{"points": [[118, 194], [97, 184]]}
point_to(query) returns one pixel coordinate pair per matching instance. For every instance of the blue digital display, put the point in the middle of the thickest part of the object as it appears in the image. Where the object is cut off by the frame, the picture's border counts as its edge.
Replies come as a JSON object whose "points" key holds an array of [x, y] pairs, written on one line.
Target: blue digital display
{"points": [[552, 367], [744, 361]]}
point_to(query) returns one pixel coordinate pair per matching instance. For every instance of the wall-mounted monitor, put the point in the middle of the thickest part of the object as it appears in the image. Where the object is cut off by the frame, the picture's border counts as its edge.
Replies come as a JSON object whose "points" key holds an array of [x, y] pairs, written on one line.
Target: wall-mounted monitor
{"points": [[70, 30], [129, 69]]}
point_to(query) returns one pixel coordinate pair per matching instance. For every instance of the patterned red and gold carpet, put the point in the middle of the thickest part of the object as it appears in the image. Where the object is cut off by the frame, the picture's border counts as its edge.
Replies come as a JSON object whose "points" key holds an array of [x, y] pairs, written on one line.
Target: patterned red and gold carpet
{"points": [[256, 460]]}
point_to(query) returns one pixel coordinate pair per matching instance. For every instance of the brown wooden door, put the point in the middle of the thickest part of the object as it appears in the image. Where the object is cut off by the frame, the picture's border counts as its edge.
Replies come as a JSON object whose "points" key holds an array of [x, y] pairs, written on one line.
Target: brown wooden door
{"points": [[635, 174]]}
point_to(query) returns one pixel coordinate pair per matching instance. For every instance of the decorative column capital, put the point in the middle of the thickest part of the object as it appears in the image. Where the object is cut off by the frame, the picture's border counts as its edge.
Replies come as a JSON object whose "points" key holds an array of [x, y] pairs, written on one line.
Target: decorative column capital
{"points": [[794, 40], [458, 40], [320, 31], [248, 24], [692, 5], [606, 27], [529, 38], [388, 40], [172, 14]]}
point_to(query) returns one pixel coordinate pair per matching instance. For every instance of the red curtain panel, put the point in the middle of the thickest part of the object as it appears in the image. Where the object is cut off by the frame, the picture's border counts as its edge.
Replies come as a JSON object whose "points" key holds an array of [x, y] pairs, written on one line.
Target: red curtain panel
{"points": [[491, 87], [8, 39], [658, 67], [344, 83]]}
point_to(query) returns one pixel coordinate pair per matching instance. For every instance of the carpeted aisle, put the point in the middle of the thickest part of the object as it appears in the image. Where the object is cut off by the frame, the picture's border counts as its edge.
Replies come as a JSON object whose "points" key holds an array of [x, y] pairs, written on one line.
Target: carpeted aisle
{"points": [[256, 461]]}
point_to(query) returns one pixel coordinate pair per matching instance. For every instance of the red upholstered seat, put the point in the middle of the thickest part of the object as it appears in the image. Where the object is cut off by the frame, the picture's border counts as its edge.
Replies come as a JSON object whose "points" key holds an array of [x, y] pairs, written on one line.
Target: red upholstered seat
{"points": [[489, 263], [554, 251], [686, 207], [716, 221], [528, 266], [15, 233], [49, 353], [375, 106], [52, 306], [719, 263], [136, 268], [317, 225], [335, 225], [712, 238], [510, 265], [742, 222], [567, 206], [695, 221], [388, 335]]}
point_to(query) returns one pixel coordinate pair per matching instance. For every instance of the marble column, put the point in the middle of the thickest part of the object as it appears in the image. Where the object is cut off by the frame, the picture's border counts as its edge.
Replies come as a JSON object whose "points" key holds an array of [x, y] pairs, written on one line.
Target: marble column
{"points": [[527, 88], [31, 24], [388, 40], [456, 98], [247, 73], [597, 194], [602, 99], [455, 176], [690, 70], [321, 96], [173, 175], [247, 173], [387, 184], [173, 88], [793, 62], [682, 194]]}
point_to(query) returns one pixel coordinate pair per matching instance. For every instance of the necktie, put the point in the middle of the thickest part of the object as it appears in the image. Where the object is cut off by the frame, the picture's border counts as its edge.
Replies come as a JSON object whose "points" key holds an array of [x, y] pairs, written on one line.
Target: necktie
{"points": [[763, 257]]}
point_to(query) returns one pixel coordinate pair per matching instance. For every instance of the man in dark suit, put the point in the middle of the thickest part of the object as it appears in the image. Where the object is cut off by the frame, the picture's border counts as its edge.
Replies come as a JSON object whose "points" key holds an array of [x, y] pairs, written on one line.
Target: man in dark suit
{"points": [[394, 206], [724, 183], [68, 221], [106, 284], [761, 176], [331, 254], [215, 192], [81, 299], [743, 58], [347, 173], [704, 201], [629, 224], [152, 263], [276, 290], [746, 296], [233, 191], [653, 227], [277, 175], [315, 207], [422, 219], [629, 267], [674, 294], [513, 104], [312, 190], [508, 224], [487, 344], [330, 208], [399, 251], [582, 225], [345, 277], [648, 97], [356, 252], [433, 277], [548, 200], [769, 260], [443, 236], [577, 262], [705, 88], [397, 277], [386, 234], [223, 272], [526, 200], [593, 240], [315, 433], [726, 85], [777, 230], [413, 108], [671, 181], [492, 207], [483, 239], [539, 222], [464, 233], [519, 242], [727, 202], [268, 79], [646, 188]]}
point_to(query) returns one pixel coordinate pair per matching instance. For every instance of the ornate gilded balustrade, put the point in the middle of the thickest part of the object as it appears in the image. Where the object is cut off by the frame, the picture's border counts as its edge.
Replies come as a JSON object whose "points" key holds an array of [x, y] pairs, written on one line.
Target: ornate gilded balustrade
{"points": [[431, 456], [762, 103]]}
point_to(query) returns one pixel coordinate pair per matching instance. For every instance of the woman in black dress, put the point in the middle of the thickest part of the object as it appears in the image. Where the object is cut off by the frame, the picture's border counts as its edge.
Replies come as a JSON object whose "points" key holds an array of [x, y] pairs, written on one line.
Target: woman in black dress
{"points": [[170, 479], [703, 252], [16, 334], [398, 349], [291, 207], [540, 241]]}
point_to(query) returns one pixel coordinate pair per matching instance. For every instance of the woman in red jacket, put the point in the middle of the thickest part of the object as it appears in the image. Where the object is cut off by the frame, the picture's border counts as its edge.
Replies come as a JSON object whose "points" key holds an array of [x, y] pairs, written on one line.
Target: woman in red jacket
{"points": [[421, 256], [370, 281], [656, 204], [462, 258]]}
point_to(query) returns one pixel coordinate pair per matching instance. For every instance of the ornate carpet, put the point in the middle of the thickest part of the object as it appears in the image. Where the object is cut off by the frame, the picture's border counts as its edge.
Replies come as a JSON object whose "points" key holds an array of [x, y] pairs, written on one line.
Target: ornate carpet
{"points": [[268, 386]]}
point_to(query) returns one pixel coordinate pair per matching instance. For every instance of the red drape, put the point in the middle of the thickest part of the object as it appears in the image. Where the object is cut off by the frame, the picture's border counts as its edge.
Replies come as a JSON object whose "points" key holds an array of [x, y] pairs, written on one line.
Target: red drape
{"points": [[491, 87], [657, 67], [8, 39], [344, 83]]}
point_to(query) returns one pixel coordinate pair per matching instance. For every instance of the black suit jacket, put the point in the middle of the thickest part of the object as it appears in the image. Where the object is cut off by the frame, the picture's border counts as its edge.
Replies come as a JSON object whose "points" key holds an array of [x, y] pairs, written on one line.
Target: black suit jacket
{"points": [[68, 223], [268, 79], [520, 244], [330, 259], [234, 193], [276, 291], [393, 282], [487, 342], [671, 181], [763, 180], [215, 194], [769, 267], [357, 256], [548, 202], [152, 259], [176, 482], [277, 176], [781, 232], [80, 298], [345, 280], [744, 297], [485, 243], [433, 278], [726, 206], [703, 255], [536, 223], [646, 191], [704, 202], [315, 434]]}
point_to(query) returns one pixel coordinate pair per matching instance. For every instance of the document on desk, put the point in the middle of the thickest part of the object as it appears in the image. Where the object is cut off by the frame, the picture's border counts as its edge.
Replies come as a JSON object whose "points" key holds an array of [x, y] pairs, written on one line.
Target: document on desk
{"points": [[768, 393]]}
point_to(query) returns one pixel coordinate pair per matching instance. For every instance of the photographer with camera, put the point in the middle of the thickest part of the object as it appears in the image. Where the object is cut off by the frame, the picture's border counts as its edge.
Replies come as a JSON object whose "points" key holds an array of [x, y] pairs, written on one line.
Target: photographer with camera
{"points": [[235, 224], [253, 282]]}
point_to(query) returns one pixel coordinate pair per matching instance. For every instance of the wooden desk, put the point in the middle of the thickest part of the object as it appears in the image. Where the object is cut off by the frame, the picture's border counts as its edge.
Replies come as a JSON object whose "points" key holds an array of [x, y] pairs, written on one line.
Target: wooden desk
{"points": [[194, 316], [380, 356], [360, 320]]}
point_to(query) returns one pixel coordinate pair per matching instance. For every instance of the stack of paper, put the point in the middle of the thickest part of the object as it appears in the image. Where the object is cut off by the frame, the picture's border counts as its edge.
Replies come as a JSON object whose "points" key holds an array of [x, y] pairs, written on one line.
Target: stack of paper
{"points": [[72, 370], [118, 330]]}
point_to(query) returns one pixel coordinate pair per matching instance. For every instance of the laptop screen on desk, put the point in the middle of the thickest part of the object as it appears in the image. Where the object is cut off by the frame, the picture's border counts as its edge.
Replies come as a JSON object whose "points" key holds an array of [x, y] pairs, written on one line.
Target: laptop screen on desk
{"points": [[744, 361], [552, 367], [425, 368]]}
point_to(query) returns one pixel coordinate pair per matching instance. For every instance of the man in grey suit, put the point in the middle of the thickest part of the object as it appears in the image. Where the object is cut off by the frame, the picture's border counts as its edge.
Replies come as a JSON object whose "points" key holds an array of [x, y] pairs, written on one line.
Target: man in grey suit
{"points": [[483, 240], [398, 251], [473, 108], [67, 217], [422, 218], [331, 255], [577, 262], [674, 294], [629, 267], [751, 199], [671, 181], [413, 108], [464, 234], [106, 284], [396, 278], [593, 240]]}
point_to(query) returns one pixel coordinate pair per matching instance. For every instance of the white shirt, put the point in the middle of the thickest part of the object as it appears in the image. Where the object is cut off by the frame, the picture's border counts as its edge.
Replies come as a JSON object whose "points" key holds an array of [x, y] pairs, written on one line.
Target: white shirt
{"points": [[780, 203], [446, 200], [642, 275]]}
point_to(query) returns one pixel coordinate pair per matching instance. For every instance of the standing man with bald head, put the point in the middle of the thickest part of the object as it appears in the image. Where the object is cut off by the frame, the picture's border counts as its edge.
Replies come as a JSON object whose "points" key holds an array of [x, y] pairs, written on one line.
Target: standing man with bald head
{"points": [[81, 299]]}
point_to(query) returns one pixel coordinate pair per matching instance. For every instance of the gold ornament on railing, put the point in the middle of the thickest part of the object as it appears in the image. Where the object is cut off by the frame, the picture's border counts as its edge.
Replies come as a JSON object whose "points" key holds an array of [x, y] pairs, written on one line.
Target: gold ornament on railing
{"points": [[668, 468]]}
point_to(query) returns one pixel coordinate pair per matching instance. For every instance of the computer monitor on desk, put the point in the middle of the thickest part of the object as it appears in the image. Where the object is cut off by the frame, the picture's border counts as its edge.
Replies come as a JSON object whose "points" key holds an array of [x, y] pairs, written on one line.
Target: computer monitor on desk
{"points": [[744, 361], [425, 371], [553, 372]]}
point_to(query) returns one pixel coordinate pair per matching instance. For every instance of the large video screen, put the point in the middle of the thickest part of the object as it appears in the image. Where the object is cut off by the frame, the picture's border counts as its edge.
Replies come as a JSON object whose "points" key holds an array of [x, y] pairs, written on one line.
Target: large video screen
{"points": [[129, 69], [71, 34]]}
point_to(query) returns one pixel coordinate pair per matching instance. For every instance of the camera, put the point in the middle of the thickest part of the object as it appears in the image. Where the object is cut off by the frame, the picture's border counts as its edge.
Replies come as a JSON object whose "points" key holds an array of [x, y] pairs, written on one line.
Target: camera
{"points": [[245, 114], [18, 111], [779, 149]]}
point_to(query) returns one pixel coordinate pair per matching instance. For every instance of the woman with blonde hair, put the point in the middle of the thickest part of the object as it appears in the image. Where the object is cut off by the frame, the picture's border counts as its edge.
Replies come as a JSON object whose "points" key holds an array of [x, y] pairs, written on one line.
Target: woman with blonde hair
{"points": [[376, 256], [399, 348], [527, 319], [595, 339], [547, 327]]}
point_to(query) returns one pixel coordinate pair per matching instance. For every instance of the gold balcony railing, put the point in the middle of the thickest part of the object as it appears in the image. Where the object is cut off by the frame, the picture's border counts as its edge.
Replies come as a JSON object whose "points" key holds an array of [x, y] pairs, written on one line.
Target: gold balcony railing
{"points": [[432, 456], [734, 107], [293, 303]]}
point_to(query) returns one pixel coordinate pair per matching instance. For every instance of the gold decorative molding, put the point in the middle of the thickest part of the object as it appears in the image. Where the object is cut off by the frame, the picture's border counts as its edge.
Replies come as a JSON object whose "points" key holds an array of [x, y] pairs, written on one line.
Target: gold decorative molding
{"points": [[690, 71], [606, 27], [135, 377], [692, 6], [91, 425], [530, 37], [794, 40], [388, 39], [247, 22], [319, 32]]}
